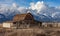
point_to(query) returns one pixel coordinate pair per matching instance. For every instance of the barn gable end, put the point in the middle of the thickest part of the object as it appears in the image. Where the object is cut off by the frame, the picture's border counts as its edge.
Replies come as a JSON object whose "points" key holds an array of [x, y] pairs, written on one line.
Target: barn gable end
{"points": [[20, 17]]}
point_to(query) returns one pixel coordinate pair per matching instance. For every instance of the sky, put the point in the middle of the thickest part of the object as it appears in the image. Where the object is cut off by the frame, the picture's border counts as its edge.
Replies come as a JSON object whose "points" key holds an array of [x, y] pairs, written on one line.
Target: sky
{"points": [[49, 8], [26, 3]]}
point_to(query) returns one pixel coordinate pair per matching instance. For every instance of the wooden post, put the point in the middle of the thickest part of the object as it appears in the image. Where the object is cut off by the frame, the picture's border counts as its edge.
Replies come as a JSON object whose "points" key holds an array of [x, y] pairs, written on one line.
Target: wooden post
{"points": [[17, 25], [57, 24]]}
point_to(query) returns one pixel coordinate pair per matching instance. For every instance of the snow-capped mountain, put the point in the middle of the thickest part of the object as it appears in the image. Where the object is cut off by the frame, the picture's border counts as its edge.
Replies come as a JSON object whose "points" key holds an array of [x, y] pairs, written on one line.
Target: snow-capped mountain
{"points": [[2, 18], [39, 10]]}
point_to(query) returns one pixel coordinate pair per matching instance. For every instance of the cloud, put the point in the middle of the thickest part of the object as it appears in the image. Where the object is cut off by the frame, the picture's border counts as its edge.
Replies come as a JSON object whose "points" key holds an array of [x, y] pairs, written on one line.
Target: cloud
{"points": [[43, 8], [6, 1], [14, 5], [38, 6]]}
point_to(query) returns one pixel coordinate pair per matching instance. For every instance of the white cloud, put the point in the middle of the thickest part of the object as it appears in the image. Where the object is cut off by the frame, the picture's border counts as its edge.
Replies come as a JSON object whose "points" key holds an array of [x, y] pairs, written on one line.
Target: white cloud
{"points": [[14, 5], [32, 6], [6, 1], [38, 6]]}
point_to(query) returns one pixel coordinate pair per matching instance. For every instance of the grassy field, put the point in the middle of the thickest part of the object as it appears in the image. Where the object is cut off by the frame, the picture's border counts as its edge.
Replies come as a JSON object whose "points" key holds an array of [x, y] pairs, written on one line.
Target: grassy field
{"points": [[33, 32]]}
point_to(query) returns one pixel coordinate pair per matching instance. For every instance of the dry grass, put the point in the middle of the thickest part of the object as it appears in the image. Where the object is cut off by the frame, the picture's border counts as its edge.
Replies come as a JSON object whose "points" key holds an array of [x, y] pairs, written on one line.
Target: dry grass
{"points": [[34, 32]]}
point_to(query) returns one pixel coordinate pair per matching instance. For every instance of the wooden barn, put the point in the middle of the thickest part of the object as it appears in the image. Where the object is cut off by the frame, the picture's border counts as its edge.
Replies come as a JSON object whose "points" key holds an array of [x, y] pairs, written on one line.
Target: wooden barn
{"points": [[25, 21]]}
